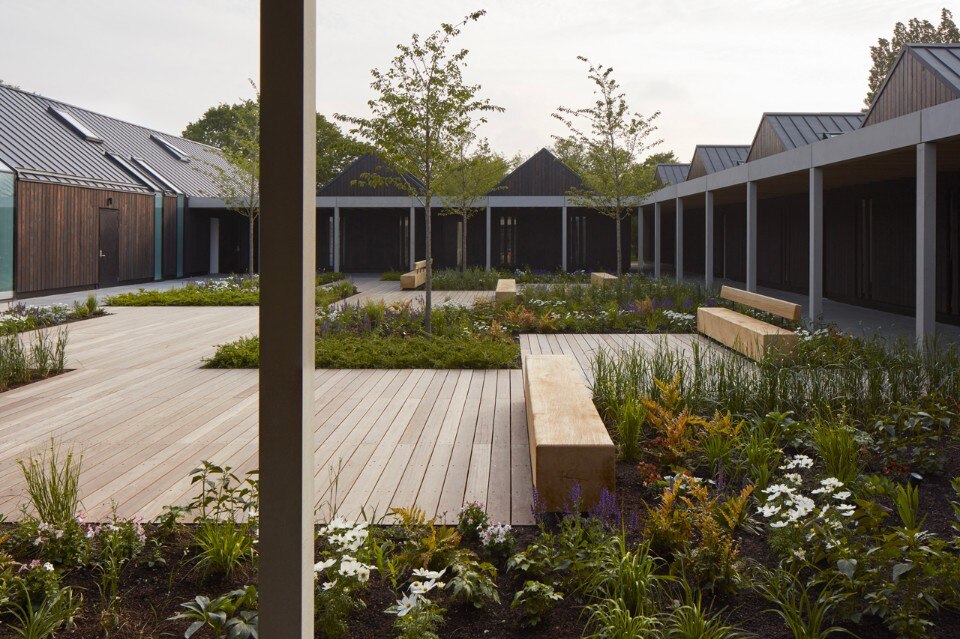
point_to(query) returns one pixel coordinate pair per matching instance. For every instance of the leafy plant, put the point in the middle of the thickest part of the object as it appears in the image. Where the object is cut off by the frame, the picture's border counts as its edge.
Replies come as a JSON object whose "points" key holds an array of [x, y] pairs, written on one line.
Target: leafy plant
{"points": [[42, 619], [229, 616], [534, 601], [840, 451], [692, 620], [805, 613], [630, 424], [425, 545], [53, 483], [473, 582], [472, 519], [224, 547]]}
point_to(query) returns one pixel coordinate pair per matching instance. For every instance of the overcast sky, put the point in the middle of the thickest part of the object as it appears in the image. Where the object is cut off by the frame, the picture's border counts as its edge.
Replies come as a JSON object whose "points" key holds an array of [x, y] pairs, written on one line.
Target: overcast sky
{"points": [[710, 66]]}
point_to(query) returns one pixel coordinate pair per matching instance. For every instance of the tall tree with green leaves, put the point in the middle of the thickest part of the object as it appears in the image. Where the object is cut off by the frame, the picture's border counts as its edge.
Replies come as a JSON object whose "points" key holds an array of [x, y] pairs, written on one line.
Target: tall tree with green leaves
{"points": [[609, 139], [474, 173], [422, 109], [238, 183], [885, 52], [335, 150]]}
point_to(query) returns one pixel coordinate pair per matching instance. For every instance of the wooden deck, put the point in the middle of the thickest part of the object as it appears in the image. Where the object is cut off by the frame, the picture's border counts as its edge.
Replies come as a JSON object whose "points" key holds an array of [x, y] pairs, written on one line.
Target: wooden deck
{"points": [[144, 413]]}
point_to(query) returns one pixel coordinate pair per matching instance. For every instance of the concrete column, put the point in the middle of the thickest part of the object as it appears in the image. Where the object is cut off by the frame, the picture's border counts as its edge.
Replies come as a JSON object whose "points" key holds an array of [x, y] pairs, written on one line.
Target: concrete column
{"points": [[413, 235], [287, 306], [815, 310], [214, 245], [926, 241], [336, 239], [656, 239], [708, 239], [678, 251], [564, 240], [489, 228], [751, 236], [640, 239]]}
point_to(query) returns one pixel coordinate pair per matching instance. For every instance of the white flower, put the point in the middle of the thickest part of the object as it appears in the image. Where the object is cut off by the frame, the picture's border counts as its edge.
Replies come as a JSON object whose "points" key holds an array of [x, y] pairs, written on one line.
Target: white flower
{"points": [[428, 574], [769, 510], [406, 604], [842, 495], [363, 574], [320, 566], [798, 461], [793, 478], [48, 567], [800, 554], [330, 584], [778, 524]]}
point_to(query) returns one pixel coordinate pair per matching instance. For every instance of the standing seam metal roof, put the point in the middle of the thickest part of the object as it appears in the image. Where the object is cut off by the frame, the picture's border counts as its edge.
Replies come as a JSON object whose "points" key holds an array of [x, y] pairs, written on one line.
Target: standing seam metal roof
{"points": [[35, 143], [942, 59], [800, 129], [672, 173], [720, 157]]}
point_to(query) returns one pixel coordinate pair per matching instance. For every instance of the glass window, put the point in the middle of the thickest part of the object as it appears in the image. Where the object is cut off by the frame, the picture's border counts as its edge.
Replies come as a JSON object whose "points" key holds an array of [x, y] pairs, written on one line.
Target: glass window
{"points": [[6, 233], [132, 170], [156, 177], [508, 241], [176, 152], [78, 127]]}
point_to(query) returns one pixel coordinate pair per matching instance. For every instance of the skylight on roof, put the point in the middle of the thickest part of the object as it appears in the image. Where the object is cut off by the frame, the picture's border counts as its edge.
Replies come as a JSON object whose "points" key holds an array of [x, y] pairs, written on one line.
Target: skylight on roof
{"points": [[78, 127], [132, 170], [156, 177], [176, 152]]}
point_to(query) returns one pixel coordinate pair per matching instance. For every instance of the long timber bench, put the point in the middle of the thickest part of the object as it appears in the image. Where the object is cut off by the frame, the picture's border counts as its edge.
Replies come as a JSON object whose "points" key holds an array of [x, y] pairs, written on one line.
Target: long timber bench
{"points": [[569, 443], [415, 278], [506, 290], [749, 335]]}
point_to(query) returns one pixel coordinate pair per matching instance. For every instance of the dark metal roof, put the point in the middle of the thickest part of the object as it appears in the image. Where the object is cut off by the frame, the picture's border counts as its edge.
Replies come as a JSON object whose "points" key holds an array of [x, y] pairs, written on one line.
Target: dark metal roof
{"points": [[719, 157], [350, 182], [40, 146], [800, 129], [541, 174], [672, 173], [942, 59]]}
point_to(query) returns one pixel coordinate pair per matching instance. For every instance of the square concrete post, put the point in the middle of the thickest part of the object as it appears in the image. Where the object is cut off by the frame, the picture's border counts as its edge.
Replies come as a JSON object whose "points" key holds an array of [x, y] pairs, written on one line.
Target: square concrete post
{"points": [[489, 227], [563, 235], [751, 236], [336, 239], [640, 259], [708, 239], [656, 240], [413, 235], [926, 241], [288, 268], [678, 251], [815, 310]]}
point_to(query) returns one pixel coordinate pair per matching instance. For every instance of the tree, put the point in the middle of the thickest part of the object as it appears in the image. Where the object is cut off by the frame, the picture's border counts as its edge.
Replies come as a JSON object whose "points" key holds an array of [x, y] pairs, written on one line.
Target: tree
{"points": [[916, 30], [609, 139], [475, 172], [335, 150], [238, 183], [422, 110]]}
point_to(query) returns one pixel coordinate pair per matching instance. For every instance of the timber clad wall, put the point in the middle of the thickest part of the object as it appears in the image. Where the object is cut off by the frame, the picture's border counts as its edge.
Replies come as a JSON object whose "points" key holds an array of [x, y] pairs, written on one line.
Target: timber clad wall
{"points": [[766, 143], [57, 235], [910, 87], [542, 174]]}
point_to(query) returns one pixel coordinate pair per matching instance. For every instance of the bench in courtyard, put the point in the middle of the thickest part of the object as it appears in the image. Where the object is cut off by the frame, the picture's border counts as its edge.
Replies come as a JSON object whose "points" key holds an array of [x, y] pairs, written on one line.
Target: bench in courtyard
{"points": [[506, 290], [749, 335], [602, 279], [569, 443], [415, 278]]}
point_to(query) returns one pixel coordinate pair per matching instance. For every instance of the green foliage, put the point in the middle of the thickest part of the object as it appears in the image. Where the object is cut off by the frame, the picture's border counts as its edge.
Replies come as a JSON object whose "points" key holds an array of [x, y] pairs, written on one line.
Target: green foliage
{"points": [[42, 619], [230, 616], [21, 363], [471, 520], [804, 610], [390, 276], [692, 620], [336, 150], [842, 454], [630, 424], [53, 483], [534, 601], [473, 582], [423, 621], [224, 546], [910, 439], [231, 291], [885, 52]]}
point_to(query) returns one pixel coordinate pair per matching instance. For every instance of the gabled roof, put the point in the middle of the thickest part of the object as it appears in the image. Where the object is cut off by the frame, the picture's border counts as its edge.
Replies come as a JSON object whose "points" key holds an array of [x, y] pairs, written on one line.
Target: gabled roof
{"points": [[941, 62], [542, 174], [40, 143], [671, 173], [343, 184], [710, 158], [780, 132]]}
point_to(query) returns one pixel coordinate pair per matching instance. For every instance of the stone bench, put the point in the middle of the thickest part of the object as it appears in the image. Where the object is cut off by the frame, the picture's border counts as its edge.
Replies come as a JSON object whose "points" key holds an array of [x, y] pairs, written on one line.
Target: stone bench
{"points": [[569, 443], [749, 335], [506, 291], [602, 279], [415, 278]]}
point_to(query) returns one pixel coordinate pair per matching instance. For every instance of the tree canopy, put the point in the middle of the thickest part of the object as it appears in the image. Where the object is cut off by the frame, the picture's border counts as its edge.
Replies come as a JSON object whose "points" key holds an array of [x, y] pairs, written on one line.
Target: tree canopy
{"points": [[884, 53]]}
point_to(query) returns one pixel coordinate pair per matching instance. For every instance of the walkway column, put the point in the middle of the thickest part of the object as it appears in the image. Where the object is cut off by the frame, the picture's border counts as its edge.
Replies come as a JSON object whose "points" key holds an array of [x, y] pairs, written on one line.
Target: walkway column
{"points": [[815, 310], [678, 251], [564, 238], [288, 182], [708, 239], [336, 239], [413, 235], [656, 240], [926, 241], [640, 259], [489, 226], [751, 236]]}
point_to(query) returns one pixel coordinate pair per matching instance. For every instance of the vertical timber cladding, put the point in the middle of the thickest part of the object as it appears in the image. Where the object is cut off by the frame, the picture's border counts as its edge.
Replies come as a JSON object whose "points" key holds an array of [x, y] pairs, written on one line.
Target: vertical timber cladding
{"points": [[171, 237], [57, 231]]}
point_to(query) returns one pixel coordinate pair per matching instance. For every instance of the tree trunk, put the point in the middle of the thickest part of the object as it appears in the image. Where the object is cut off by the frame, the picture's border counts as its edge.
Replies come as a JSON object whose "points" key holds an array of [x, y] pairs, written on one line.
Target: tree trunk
{"points": [[251, 247], [463, 250], [428, 285], [619, 249]]}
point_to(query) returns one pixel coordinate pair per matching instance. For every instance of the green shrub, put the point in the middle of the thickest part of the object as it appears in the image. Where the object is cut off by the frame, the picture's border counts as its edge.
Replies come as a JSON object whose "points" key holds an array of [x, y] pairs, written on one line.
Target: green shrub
{"points": [[53, 484], [391, 276], [233, 291]]}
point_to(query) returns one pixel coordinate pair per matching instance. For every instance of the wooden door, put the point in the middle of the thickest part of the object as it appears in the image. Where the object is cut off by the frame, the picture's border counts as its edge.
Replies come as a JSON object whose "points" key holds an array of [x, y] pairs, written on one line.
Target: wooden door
{"points": [[109, 248]]}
